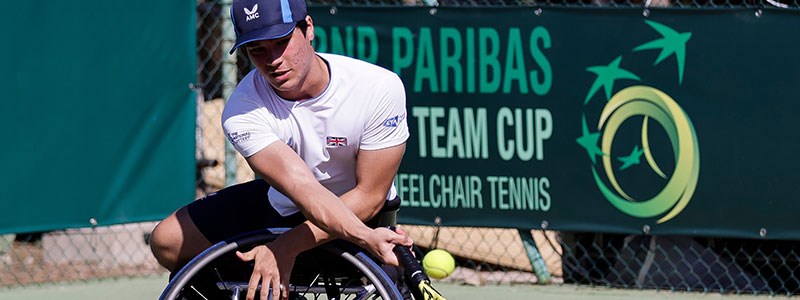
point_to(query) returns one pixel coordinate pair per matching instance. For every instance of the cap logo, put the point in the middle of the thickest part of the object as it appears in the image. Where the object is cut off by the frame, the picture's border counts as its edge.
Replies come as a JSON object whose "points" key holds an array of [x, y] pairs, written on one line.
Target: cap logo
{"points": [[251, 13]]}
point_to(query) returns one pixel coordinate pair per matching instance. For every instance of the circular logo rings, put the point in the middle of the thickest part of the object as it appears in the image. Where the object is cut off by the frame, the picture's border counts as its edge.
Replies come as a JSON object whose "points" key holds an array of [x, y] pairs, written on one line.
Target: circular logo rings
{"points": [[652, 104]]}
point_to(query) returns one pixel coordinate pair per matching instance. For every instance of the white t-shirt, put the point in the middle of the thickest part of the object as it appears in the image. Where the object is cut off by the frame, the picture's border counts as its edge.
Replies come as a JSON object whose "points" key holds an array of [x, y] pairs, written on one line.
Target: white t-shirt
{"points": [[363, 107]]}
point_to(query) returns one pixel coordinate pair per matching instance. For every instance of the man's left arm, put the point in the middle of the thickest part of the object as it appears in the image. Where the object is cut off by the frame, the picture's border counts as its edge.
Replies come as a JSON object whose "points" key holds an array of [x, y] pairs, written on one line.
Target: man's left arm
{"points": [[375, 172]]}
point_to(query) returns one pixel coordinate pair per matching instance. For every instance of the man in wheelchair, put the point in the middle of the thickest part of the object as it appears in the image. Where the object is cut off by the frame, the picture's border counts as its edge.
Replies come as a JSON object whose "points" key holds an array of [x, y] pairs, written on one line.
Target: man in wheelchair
{"points": [[324, 133]]}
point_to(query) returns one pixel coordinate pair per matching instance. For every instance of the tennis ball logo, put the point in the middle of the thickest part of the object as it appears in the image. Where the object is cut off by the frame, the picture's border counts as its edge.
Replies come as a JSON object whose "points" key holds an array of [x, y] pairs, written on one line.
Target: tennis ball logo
{"points": [[438, 264], [649, 104]]}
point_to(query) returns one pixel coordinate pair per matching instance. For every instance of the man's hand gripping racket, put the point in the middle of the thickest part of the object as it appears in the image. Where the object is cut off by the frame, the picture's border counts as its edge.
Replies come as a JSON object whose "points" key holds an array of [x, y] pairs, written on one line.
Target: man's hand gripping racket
{"points": [[413, 270]]}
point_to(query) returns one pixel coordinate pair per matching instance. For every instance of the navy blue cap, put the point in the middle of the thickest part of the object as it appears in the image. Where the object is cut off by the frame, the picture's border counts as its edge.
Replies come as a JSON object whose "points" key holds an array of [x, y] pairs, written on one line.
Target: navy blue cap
{"points": [[255, 20]]}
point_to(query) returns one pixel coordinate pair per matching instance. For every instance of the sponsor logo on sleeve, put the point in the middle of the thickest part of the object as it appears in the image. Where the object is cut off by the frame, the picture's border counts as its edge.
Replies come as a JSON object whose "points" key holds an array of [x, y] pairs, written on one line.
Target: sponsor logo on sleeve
{"points": [[238, 137], [393, 121]]}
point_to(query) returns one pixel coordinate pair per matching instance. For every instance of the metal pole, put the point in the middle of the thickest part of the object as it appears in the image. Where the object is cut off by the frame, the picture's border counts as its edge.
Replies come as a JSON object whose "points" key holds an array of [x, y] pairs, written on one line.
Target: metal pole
{"points": [[229, 79], [535, 258]]}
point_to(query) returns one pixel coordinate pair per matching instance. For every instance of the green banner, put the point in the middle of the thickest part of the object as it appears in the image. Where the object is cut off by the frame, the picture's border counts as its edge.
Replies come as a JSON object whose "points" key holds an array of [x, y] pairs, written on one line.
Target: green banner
{"points": [[609, 120], [98, 117]]}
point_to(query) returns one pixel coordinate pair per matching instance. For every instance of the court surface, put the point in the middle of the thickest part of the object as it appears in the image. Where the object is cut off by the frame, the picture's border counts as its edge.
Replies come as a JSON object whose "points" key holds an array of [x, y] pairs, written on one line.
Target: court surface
{"points": [[150, 288]]}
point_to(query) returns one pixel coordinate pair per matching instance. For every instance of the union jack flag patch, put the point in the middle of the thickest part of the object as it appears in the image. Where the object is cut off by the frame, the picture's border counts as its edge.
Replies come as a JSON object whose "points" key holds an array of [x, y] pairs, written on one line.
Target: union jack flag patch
{"points": [[336, 141]]}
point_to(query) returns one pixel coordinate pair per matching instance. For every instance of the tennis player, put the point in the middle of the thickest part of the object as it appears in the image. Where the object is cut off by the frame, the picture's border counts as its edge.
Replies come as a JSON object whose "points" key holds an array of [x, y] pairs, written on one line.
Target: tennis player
{"points": [[324, 133]]}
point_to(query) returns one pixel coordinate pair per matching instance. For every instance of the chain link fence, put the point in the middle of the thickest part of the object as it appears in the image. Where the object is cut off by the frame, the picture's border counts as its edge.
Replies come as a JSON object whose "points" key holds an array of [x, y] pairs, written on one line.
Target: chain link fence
{"points": [[497, 255], [681, 263], [484, 255], [77, 254]]}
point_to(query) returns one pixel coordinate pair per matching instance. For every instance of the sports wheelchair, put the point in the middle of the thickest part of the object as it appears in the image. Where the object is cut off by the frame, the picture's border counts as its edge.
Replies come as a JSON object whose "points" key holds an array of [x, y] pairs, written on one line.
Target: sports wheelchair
{"points": [[334, 270]]}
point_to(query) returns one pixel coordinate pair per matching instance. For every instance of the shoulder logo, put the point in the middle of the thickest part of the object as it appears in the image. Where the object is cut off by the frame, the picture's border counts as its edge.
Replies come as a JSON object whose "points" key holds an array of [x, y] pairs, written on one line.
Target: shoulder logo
{"points": [[251, 13], [238, 137], [393, 121]]}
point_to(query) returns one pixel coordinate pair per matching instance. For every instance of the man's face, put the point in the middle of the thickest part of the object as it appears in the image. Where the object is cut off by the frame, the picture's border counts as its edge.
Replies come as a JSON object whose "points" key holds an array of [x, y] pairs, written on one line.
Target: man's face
{"points": [[285, 62]]}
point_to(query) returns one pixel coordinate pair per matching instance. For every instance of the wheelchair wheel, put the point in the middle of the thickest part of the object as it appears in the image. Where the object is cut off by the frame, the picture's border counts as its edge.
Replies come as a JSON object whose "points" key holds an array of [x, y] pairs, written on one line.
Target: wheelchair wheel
{"points": [[335, 270]]}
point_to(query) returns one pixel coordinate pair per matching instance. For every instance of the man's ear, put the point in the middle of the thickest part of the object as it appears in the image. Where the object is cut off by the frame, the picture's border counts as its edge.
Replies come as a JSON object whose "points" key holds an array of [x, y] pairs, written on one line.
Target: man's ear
{"points": [[309, 29]]}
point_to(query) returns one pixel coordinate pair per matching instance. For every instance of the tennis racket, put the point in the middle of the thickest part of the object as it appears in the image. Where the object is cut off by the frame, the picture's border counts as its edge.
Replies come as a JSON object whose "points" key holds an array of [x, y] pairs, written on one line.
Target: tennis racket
{"points": [[421, 286]]}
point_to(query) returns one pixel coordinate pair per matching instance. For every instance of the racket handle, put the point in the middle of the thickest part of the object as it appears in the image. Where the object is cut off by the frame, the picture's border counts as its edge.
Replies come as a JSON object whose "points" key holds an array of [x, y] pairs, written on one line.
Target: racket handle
{"points": [[413, 269], [411, 265]]}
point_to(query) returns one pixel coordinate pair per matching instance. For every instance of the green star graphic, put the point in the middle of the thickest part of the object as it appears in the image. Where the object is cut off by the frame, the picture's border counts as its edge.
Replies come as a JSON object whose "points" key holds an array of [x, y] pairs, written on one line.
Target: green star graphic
{"points": [[633, 159], [606, 75], [589, 142], [672, 42]]}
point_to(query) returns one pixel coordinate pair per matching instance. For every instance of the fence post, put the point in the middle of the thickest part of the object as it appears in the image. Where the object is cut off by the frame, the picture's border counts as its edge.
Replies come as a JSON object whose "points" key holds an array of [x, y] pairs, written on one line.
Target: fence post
{"points": [[537, 262], [229, 78]]}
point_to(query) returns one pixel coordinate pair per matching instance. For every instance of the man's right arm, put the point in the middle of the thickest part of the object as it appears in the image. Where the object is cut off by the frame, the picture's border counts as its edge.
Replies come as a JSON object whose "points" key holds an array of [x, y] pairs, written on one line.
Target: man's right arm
{"points": [[285, 171], [375, 171]]}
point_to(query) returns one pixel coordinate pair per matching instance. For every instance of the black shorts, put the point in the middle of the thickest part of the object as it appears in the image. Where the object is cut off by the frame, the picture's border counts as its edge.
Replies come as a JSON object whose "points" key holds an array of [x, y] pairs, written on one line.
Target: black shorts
{"points": [[238, 209]]}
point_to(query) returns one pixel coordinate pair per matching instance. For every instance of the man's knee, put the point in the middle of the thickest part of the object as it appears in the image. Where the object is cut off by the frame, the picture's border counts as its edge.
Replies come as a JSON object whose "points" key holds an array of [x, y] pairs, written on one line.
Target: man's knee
{"points": [[165, 242], [176, 240]]}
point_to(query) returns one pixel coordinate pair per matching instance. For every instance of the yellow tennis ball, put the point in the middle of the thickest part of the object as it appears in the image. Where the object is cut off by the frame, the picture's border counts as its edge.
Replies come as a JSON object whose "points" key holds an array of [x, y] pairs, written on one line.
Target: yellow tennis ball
{"points": [[438, 264]]}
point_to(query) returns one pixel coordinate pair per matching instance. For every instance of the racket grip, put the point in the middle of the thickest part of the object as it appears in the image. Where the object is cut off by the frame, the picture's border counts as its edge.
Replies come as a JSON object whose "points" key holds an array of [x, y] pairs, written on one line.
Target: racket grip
{"points": [[411, 265], [413, 269]]}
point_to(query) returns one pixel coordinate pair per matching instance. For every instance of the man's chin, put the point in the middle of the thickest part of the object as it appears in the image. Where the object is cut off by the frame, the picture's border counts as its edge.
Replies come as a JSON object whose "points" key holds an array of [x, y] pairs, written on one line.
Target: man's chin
{"points": [[280, 85]]}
